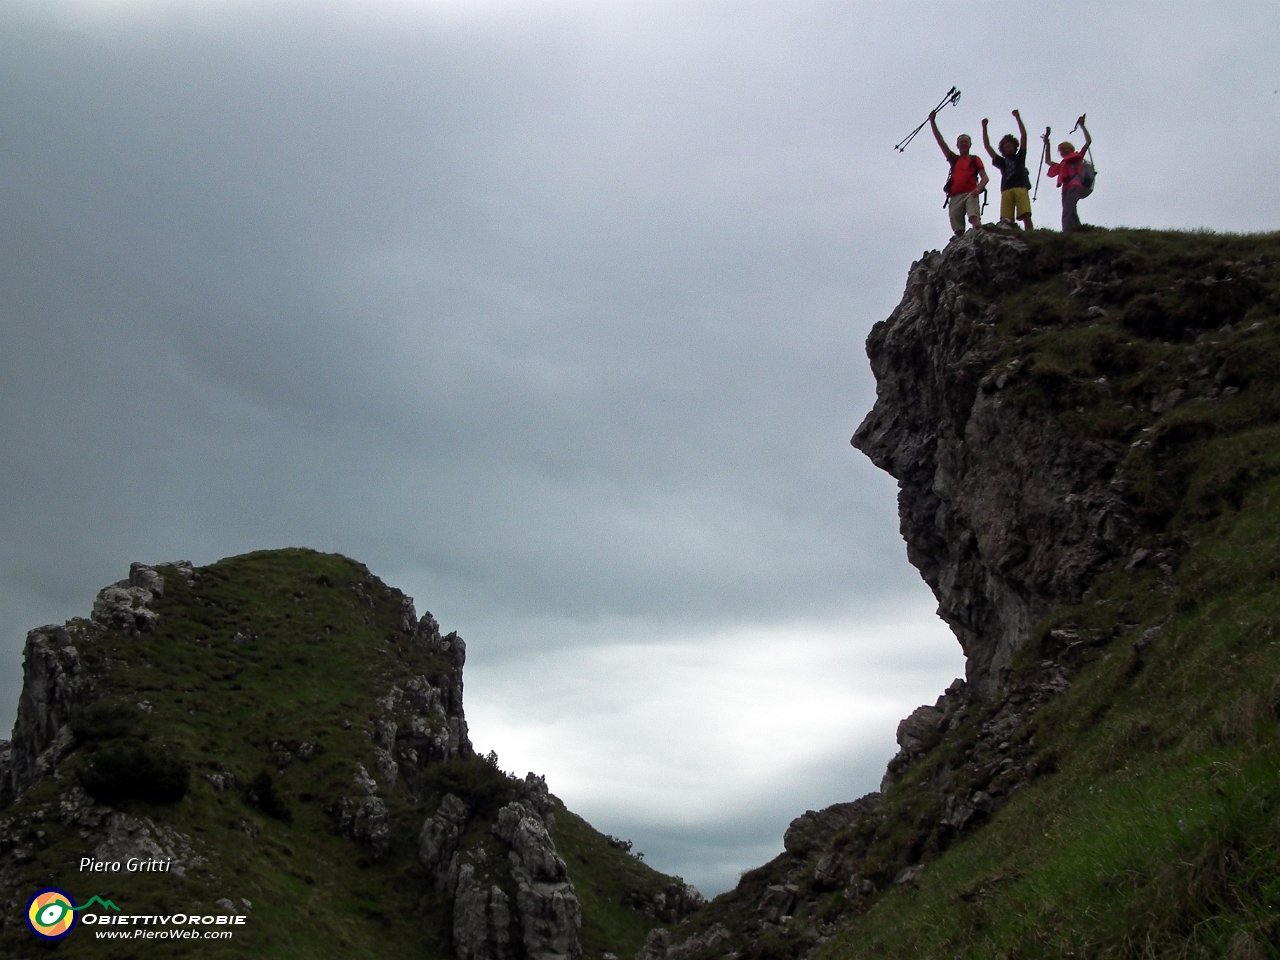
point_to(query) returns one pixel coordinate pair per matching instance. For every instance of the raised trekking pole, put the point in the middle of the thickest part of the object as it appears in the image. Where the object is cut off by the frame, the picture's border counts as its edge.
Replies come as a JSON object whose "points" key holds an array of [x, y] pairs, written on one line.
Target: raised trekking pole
{"points": [[1077, 127], [953, 96], [1044, 157]]}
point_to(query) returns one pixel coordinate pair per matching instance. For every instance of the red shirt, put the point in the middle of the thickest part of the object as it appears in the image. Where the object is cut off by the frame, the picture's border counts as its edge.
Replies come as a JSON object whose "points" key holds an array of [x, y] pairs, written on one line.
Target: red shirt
{"points": [[964, 174], [1068, 168]]}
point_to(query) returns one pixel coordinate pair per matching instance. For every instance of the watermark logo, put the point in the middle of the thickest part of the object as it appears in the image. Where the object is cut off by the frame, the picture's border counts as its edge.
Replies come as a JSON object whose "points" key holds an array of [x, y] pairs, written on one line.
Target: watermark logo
{"points": [[51, 914]]}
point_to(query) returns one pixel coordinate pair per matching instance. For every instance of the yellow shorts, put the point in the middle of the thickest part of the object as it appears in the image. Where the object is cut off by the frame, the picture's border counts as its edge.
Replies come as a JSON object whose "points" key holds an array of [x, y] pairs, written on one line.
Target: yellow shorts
{"points": [[1015, 203]]}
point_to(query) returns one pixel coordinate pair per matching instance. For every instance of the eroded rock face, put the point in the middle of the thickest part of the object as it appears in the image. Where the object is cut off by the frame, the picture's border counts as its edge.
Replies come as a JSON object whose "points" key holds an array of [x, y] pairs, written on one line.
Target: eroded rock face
{"points": [[422, 722], [364, 819], [661, 945], [542, 921], [126, 605], [550, 915], [53, 680], [1004, 515], [677, 902], [438, 841], [812, 829], [482, 920]]}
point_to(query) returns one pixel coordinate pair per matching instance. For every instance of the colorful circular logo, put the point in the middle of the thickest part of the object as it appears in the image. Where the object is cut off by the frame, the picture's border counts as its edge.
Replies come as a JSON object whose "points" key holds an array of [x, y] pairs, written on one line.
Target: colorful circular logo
{"points": [[51, 914]]}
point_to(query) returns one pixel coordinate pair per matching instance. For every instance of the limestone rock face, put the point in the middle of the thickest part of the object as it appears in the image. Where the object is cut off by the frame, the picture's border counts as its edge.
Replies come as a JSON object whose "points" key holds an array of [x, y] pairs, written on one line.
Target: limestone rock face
{"points": [[543, 919], [422, 722], [451, 647], [364, 819], [127, 604], [550, 915], [660, 945], [53, 679], [1004, 515], [677, 902], [438, 841], [482, 927], [531, 847]]}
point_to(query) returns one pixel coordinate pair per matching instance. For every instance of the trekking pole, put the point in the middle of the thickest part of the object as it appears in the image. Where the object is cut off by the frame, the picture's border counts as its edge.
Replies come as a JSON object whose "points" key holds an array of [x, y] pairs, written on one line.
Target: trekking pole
{"points": [[1044, 155], [1077, 127], [953, 96]]}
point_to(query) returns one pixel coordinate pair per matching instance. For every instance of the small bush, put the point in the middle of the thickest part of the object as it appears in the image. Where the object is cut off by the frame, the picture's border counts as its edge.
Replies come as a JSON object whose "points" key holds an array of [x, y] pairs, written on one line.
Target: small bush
{"points": [[134, 771], [261, 794], [483, 787], [102, 721]]}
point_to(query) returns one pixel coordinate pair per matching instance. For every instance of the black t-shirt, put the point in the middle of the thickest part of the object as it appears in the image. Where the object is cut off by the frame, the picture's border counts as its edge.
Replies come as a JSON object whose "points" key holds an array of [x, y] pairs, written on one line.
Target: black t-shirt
{"points": [[1013, 170]]}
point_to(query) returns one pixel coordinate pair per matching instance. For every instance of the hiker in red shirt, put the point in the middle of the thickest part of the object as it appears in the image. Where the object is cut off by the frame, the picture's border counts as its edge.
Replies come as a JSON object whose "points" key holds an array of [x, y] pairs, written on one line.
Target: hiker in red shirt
{"points": [[968, 179], [1069, 171]]}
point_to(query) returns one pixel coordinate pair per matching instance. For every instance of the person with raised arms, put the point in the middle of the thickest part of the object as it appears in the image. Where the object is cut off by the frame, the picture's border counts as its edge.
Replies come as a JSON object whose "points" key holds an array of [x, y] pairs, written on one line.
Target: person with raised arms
{"points": [[1070, 171], [968, 178], [1015, 181]]}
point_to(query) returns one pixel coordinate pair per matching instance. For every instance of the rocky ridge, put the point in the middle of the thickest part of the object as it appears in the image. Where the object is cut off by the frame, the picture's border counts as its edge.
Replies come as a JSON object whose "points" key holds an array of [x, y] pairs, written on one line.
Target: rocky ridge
{"points": [[509, 890]]}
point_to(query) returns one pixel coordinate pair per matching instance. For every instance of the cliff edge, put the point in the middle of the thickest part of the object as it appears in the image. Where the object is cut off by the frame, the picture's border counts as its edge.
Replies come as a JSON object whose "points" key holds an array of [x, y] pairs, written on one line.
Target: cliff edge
{"points": [[1085, 430], [1005, 514]]}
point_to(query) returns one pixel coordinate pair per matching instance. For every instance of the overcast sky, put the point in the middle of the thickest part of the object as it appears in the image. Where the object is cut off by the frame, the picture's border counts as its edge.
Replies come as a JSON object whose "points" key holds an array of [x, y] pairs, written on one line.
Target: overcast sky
{"points": [[552, 314]]}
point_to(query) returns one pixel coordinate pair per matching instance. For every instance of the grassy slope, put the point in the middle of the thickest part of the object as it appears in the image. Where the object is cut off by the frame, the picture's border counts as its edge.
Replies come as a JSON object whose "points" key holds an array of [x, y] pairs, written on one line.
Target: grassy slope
{"points": [[322, 655], [1159, 834]]}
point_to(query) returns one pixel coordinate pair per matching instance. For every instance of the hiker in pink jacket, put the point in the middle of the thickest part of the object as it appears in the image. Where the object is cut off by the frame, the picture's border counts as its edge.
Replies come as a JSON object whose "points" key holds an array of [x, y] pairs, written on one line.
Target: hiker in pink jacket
{"points": [[1069, 171]]}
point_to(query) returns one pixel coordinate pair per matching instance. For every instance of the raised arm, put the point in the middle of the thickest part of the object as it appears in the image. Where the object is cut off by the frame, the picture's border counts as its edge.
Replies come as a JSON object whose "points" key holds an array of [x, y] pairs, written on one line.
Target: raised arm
{"points": [[1087, 139], [1048, 156], [1022, 132], [937, 135], [986, 142]]}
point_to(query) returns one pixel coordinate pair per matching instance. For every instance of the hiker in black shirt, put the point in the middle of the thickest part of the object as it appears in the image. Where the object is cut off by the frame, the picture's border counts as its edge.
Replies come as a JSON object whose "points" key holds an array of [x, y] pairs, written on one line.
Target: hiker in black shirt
{"points": [[1015, 181]]}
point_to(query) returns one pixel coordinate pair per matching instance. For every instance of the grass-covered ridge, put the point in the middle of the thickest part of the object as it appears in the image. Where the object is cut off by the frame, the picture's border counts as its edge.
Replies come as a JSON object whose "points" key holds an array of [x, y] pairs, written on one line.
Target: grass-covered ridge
{"points": [[1158, 833], [268, 667]]}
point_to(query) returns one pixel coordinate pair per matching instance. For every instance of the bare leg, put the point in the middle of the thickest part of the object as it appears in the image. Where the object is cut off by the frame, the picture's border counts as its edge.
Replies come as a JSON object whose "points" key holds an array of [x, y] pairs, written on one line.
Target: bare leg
{"points": [[1026, 222]]}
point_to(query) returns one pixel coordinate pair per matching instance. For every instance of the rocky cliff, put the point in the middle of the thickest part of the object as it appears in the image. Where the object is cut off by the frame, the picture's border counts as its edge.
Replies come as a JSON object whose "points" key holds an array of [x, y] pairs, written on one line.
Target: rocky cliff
{"points": [[1005, 514], [1079, 425], [288, 736]]}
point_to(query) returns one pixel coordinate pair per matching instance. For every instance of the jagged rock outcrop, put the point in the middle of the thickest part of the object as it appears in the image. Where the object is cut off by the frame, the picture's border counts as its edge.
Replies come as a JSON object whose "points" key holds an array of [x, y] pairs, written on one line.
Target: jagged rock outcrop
{"points": [[124, 837], [421, 723], [550, 915], [126, 604], [482, 919], [438, 841], [364, 818], [677, 902], [1004, 514], [543, 921], [1008, 517], [53, 680]]}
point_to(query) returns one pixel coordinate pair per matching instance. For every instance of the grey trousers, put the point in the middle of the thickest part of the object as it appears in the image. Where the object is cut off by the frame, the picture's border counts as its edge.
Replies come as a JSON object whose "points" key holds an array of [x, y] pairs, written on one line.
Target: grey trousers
{"points": [[1071, 195]]}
